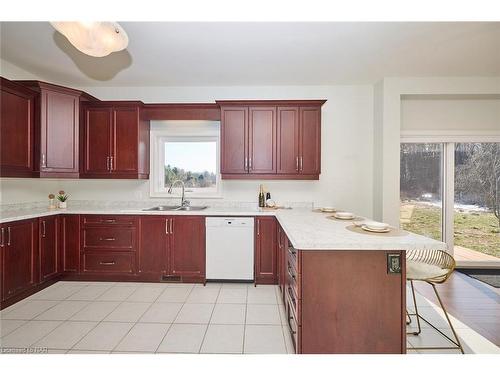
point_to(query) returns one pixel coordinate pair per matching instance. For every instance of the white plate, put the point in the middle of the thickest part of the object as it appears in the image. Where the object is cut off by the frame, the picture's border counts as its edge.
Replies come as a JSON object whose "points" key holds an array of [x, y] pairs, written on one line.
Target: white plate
{"points": [[364, 227], [327, 209], [344, 215], [375, 225]]}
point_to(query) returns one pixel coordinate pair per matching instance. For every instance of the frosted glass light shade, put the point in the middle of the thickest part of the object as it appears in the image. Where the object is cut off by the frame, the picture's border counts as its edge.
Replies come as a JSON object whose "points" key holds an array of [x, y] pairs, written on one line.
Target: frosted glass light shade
{"points": [[96, 39]]}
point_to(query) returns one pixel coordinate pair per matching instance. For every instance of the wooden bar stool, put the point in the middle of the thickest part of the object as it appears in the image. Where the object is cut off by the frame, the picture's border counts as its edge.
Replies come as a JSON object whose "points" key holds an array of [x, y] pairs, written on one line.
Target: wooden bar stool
{"points": [[433, 267]]}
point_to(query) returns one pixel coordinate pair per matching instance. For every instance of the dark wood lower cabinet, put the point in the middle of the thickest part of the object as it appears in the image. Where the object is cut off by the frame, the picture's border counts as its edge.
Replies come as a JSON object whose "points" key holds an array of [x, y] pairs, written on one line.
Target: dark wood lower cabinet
{"points": [[69, 243], [266, 265], [345, 302], [19, 247], [186, 250], [152, 251], [48, 244]]}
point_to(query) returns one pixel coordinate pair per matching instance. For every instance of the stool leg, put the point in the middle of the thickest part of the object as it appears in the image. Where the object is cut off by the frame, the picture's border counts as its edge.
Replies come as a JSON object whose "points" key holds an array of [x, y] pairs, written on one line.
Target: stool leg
{"points": [[448, 319], [416, 309], [408, 321]]}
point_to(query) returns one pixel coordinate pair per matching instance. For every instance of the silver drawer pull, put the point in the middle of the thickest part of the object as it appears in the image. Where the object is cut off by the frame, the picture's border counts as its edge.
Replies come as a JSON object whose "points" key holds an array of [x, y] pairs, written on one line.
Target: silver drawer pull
{"points": [[108, 220], [112, 263], [107, 239]]}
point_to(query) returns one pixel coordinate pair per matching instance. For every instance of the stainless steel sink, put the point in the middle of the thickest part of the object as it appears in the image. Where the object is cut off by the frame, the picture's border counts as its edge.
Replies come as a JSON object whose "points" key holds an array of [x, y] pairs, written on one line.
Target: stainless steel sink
{"points": [[176, 208]]}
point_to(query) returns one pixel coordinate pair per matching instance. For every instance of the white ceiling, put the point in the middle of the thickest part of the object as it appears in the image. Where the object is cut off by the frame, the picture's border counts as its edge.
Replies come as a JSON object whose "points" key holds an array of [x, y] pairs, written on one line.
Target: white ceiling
{"points": [[226, 54]]}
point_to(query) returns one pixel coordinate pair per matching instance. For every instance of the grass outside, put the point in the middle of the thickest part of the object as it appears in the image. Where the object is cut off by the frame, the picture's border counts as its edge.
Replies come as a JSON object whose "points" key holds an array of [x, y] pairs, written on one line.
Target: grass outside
{"points": [[473, 230]]}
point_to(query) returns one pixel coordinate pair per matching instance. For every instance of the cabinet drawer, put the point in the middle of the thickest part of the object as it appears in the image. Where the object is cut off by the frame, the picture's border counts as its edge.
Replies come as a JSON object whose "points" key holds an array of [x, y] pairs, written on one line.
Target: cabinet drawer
{"points": [[292, 323], [108, 261], [110, 220], [111, 238], [292, 280]]}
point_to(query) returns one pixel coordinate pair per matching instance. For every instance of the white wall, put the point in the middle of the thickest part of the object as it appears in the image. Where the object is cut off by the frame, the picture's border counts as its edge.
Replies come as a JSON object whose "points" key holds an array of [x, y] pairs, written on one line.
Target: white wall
{"points": [[347, 148], [435, 113]]}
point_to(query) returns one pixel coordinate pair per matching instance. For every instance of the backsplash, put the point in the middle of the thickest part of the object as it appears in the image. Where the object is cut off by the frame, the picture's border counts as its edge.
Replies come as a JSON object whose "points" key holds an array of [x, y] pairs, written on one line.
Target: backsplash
{"points": [[124, 205]]}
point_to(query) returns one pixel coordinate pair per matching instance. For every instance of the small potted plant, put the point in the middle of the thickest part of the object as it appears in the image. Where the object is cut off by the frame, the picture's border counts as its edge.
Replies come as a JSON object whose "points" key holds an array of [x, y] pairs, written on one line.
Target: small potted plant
{"points": [[52, 202], [62, 197]]}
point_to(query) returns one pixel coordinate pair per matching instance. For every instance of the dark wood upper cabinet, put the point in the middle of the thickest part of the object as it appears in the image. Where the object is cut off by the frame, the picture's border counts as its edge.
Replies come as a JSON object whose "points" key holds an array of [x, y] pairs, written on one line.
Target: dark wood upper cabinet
{"points": [[48, 248], [266, 250], [271, 139], [19, 246], [57, 115], [262, 140], [115, 141], [288, 140], [310, 141], [17, 130], [234, 139]]}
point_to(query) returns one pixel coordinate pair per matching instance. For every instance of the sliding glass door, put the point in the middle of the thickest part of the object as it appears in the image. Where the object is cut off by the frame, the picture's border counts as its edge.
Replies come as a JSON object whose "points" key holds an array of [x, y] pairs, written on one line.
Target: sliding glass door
{"points": [[421, 188], [450, 191]]}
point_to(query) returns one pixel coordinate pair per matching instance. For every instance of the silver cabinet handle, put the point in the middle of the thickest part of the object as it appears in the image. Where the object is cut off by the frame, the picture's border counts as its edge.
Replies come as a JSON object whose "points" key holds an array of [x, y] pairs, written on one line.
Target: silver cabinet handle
{"points": [[43, 161], [258, 228], [111, 163], [2, 234], [8, 233], [249, 163], [107, 163], [112, 263], [297, 163], [107, 239], [171, 226], [246, 164], [43, 228], [166, 226], [301, 163], [108, 220]]}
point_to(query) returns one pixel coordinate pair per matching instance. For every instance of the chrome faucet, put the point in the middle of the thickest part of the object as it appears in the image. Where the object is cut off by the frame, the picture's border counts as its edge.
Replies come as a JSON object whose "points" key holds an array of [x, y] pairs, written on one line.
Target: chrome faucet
{"points": [[184, 203]]}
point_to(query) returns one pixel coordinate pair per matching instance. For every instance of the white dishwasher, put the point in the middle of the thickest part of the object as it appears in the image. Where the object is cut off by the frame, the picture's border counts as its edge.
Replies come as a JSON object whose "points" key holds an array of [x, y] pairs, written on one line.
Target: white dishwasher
{"points": [[229, 248]]}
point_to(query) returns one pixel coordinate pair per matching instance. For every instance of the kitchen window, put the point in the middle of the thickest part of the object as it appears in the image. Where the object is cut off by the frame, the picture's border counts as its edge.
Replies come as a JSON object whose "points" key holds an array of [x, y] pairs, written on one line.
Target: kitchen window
{"points": [[186, 152]]}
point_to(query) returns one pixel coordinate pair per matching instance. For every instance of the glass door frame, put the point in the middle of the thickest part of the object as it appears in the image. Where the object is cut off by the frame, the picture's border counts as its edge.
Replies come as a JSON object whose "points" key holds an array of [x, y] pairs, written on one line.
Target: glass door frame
{"points": [[448, 180]]}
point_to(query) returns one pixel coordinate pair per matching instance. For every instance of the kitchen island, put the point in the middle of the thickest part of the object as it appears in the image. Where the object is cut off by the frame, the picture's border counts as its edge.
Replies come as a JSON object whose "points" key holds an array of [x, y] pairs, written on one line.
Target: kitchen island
{"points": [[344, 291]]}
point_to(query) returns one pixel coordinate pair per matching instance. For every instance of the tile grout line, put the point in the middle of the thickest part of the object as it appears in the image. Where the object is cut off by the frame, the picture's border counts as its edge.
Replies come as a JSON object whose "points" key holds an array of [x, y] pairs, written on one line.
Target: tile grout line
{"points": [[174, 319], [137, 321], [209, 320]]}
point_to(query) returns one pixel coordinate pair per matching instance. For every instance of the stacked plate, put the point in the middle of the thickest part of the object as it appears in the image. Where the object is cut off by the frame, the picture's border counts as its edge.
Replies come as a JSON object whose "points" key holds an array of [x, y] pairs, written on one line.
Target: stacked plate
{"points": [[375, 226], [343, 215]]}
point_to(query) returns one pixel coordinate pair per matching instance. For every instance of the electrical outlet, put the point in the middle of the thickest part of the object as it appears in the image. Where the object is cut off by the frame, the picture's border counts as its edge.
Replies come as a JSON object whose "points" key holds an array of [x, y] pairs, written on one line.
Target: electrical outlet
{"points": [[393, 263]]}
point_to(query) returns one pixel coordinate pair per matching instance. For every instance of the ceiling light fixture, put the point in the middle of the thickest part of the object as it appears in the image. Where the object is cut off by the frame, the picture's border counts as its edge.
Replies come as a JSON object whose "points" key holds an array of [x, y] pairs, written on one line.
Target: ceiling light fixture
{"points": [[96, 39]]}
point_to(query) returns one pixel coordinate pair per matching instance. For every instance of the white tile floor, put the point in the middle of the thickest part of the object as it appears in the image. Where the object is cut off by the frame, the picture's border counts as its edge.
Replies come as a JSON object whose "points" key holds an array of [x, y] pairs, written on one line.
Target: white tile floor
{"points": [[98, 317]]}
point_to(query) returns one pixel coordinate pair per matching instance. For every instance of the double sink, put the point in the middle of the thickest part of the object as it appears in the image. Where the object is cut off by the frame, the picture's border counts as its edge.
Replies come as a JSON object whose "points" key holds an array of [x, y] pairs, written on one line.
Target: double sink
{"points": [[176, 208]]}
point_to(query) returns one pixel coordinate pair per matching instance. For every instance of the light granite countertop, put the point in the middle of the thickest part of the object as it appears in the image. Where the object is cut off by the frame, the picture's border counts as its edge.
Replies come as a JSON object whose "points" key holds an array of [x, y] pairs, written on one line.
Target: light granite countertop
{"points": [[306, 230]]}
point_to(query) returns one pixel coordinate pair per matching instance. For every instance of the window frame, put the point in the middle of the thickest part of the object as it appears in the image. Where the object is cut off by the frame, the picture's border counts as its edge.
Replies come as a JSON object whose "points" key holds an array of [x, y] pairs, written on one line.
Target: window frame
{"points": [[157, 174]]}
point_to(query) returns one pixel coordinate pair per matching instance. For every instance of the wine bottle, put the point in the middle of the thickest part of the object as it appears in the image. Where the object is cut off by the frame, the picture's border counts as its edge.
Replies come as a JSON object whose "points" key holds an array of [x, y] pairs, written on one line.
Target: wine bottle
{"points": [[262, 198]]}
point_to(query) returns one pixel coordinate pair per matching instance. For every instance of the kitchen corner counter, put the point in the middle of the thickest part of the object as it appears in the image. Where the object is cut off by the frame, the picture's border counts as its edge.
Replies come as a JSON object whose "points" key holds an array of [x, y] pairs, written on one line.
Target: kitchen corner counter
{"points": [[306, 230]]}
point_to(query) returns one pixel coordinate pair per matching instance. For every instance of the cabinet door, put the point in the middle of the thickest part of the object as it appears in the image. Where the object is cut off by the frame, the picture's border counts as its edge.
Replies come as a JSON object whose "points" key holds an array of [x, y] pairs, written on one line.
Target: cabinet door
{"points": [[97, 140], [19, 257], [187, 247], [69, 243], [288, 140], [262, 140], [59, 132], [48, 256], [152, 251], [125, 140], [265, 250], [234, 139], [310, 140], [16, 131]]}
